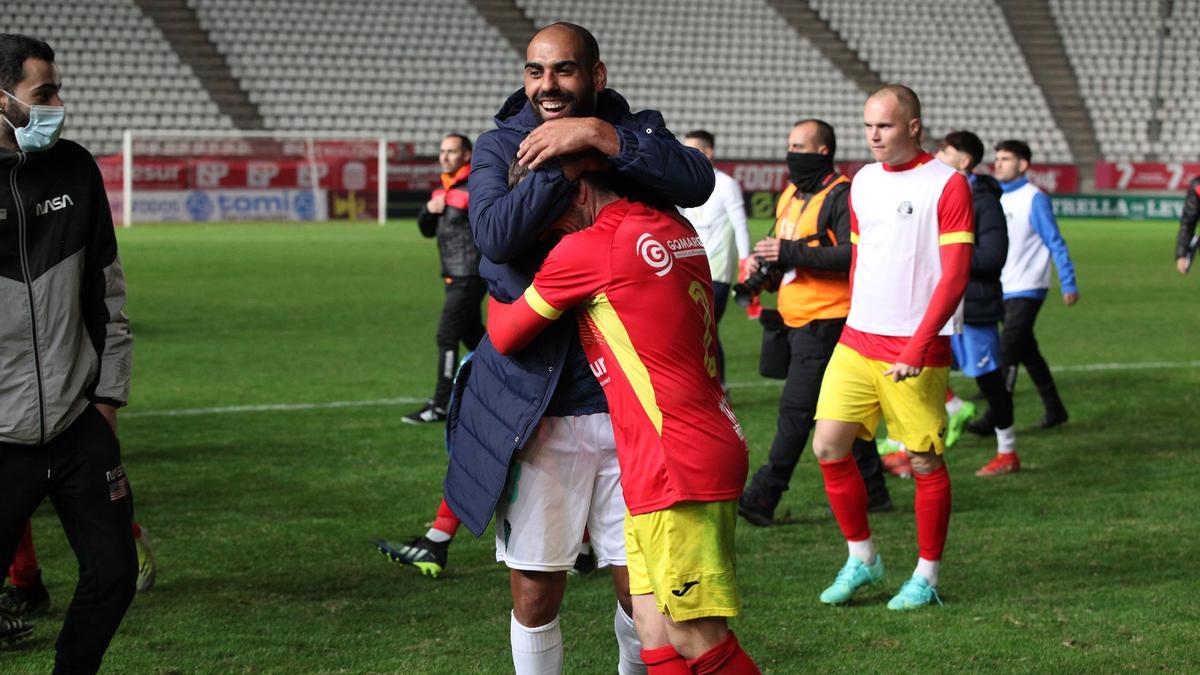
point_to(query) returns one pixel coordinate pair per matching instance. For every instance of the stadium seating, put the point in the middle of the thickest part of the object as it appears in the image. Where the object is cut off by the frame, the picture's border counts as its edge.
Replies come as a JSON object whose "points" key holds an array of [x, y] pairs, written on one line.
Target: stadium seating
{"points": [[961, 58], [734, 68], [1112, 44], [118, 71], [413, 69], [416, 69]]}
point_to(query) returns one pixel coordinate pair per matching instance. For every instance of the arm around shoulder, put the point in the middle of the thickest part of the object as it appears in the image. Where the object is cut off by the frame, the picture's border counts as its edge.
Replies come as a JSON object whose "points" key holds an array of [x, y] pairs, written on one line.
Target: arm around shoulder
{"points": [[505, 222], [650, 154]]}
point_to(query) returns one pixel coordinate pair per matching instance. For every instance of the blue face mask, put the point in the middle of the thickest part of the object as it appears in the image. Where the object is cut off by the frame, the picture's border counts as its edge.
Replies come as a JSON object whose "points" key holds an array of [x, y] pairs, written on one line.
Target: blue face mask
{"points": [[42, 130]]}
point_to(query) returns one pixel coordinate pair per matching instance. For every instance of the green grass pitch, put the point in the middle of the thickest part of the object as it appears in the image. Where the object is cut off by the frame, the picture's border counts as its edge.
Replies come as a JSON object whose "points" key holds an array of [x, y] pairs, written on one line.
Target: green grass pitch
{"points": [[263, 520]]}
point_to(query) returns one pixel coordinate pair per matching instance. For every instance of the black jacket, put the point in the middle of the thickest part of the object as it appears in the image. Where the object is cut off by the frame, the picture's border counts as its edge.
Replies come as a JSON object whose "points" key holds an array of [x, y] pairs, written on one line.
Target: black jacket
{"points": [[1187, 222], [64, 338], [456, 242], [984, 300]]}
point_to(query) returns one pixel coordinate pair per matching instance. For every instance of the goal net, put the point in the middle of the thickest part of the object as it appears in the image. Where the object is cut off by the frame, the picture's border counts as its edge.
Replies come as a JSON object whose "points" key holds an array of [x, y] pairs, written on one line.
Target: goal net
{"points": [[199, 176]]}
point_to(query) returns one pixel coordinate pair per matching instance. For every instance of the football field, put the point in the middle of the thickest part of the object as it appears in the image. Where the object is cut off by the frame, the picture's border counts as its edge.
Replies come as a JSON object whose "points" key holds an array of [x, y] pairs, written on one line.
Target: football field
{"points": [[264, 443]]}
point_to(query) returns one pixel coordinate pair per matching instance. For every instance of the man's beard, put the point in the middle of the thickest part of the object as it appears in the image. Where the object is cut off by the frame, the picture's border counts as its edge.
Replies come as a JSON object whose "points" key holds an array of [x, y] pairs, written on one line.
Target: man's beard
{"points": [[584, 106], [18, 117]]}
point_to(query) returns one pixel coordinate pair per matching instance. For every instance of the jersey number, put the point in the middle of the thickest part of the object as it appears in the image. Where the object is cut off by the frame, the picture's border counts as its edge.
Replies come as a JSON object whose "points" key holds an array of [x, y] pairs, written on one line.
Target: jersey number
{"points": [[696, 291]]}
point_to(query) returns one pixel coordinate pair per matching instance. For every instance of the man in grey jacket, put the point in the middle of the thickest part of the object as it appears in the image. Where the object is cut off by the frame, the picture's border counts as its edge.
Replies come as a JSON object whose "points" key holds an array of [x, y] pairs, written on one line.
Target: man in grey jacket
{"points": [[65, 353]]}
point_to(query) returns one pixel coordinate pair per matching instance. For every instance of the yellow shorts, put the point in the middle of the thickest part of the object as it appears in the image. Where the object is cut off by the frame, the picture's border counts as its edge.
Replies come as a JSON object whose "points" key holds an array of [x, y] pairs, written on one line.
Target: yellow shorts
{"points": [[684, 555], [855, 390]]}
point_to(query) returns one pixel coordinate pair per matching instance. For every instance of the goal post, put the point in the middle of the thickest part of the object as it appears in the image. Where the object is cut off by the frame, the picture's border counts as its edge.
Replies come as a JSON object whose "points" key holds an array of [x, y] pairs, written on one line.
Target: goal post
{"points": [[201, 176]]}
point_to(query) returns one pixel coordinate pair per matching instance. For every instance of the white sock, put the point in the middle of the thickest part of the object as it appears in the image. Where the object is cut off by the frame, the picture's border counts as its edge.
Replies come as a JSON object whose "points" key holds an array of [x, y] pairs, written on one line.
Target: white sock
{"points": [[628, 644], [863, 550], [1006, 440], [929, 570], [954, 405], [585, 547], [437, 536], [536, 651]]}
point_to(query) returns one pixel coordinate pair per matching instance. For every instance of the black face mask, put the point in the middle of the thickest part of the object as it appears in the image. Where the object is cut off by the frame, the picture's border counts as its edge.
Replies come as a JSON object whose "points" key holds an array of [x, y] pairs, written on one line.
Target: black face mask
{"points": [[806, 169]]}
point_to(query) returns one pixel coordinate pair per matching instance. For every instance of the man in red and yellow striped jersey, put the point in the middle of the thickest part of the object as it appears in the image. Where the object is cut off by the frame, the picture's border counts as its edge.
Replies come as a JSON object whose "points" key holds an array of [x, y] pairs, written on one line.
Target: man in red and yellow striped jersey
{"points": [[639, 281], [911, 231]]}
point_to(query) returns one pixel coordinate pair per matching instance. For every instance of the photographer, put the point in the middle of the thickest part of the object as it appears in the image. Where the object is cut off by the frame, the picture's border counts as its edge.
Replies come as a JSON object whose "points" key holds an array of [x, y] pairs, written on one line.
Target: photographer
{"points": [[810, 258]]}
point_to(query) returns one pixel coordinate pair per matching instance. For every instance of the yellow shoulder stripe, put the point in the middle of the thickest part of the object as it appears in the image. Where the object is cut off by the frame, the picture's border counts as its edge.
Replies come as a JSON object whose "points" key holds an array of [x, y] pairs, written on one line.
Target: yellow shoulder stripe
{"points": [[609, 324], [956, 238], [853, 237], [539, 304]]}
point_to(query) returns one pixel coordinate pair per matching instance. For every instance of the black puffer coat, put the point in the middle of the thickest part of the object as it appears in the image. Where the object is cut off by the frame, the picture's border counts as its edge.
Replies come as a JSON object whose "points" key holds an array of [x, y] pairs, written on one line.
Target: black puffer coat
{"points": [[984, 300], [456, 242]]}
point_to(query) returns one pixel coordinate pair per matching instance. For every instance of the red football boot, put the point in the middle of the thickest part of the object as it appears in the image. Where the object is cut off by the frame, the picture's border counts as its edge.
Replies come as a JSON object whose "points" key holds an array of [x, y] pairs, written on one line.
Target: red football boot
{"points": [[1000, 464]]}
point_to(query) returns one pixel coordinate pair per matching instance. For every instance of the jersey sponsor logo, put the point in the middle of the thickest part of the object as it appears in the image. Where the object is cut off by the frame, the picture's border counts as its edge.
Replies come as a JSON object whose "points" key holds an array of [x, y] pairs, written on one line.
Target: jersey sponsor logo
{"points": [[686, 247], [680, 592], [655, 255], [905, 208], [600, 370], [55, 204], [983, 362]]}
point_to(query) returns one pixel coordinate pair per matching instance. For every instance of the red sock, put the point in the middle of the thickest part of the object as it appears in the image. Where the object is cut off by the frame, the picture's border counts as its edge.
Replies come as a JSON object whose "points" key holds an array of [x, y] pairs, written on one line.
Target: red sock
{"points": [[932, 506], [24, 569], [587, 536], [446, 521], [949, 394], [847, 497], [727, 658], [137, 530], [664, 661]]}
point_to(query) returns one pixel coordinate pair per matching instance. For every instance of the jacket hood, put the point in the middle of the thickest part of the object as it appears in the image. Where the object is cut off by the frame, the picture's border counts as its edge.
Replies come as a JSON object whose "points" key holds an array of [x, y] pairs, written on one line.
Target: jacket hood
{"points": [[985, 184], [517, 114]]}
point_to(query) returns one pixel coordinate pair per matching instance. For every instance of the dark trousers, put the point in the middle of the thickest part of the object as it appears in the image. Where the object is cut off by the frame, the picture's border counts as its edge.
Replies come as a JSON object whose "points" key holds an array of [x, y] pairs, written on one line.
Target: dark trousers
{"points": [[1018, 346], [999, 398], [461, 323], [811, 347], [720, 299], [80, 470]]}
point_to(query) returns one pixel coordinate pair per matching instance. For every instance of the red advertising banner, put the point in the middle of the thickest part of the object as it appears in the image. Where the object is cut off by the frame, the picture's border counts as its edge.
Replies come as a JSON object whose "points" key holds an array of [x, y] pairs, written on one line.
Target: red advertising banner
{"points": [[345, 166], [212, 173], [414, 175], [769, 176], [1172, 176], [1052, 177]]}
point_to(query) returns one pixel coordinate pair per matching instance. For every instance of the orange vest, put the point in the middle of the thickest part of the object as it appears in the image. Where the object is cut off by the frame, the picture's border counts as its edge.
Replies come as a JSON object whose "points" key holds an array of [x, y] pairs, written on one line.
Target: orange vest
{"points": [[808, 294]]}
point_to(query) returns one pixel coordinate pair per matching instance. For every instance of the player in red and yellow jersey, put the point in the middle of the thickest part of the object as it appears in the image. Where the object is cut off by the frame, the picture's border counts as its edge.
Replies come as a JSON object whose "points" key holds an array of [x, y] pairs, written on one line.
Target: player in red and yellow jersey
{"points": [[912, 228], [639, 281]]}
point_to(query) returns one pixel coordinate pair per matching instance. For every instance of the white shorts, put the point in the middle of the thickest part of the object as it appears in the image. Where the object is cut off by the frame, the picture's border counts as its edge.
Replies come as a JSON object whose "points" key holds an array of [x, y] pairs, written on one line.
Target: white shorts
{"points": [[565, 478]]}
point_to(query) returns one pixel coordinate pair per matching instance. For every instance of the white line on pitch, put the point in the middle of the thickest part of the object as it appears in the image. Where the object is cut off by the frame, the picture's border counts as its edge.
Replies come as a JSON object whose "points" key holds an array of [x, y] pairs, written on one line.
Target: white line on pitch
{"points": [[1080, 368], [272, 407], [380, 402]]}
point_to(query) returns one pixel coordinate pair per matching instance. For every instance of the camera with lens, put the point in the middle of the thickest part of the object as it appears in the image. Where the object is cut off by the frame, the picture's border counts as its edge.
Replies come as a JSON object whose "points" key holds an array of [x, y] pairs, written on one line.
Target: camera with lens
{"points": [[744, 292]]}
